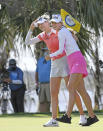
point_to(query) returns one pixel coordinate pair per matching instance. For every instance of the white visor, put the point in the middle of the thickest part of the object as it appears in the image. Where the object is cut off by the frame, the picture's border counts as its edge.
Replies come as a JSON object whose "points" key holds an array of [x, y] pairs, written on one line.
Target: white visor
{"points": [[41, 20], [56, 18]]}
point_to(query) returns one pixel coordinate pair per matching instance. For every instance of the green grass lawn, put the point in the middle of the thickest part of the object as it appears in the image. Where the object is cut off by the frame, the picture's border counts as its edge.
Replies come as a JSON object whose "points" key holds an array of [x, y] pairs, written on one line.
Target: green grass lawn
{"points": [[34, 122]]}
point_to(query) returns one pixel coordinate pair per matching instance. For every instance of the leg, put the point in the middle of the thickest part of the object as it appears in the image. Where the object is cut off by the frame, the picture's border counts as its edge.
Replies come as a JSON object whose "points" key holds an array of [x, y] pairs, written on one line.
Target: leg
{"points": [[77, 98], [44, 107], [13, 101], [72, 86], [92, 118], [48, 97], [42, 98], [54, 88], [86, 98], [20, 99], [79, 104]]}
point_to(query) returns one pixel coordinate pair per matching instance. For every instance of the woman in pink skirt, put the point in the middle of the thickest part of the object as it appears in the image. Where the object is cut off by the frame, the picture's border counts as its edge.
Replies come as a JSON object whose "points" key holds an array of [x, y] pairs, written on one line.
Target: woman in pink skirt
{"points": [[59, 66], [78, 70]]}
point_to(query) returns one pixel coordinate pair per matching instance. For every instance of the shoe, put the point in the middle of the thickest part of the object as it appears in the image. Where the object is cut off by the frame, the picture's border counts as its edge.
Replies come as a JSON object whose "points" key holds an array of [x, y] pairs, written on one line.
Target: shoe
{"points": [[91, 121], [83, 120], [64, 119], [51, 123]]}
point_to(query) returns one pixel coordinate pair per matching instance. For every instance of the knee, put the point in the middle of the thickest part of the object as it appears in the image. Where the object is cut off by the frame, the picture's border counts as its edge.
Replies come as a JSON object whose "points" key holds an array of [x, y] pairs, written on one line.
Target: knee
{"points": [[71, 90], [54, 93]]}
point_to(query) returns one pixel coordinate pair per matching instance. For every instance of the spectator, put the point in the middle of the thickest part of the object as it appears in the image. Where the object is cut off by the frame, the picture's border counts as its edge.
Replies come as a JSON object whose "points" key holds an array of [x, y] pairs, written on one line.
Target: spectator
{"points": [[42, 78], [16, 85]]}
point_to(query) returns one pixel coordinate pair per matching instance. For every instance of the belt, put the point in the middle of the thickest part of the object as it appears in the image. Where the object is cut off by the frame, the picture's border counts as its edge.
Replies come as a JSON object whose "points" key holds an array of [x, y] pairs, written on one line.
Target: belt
{"points": [[44, 82]]}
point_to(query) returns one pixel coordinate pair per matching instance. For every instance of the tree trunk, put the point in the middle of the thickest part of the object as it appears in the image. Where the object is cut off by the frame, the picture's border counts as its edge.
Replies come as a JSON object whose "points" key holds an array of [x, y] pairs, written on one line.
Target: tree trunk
{"points": [[97, 77]]}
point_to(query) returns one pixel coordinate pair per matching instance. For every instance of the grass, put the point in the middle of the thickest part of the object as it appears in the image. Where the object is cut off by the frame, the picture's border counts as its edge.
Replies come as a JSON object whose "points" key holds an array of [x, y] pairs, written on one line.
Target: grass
{"points": [[34, 122]]}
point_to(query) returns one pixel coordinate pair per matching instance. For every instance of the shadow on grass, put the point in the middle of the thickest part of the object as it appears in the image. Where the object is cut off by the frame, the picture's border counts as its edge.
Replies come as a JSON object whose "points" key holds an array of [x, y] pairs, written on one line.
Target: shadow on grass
{"points": [[38, 114], [26, 115]]}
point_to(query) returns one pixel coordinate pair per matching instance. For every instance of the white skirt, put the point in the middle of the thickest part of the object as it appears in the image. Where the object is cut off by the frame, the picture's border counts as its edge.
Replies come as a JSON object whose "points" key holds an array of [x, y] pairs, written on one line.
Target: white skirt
{"points": [[59, 67]]}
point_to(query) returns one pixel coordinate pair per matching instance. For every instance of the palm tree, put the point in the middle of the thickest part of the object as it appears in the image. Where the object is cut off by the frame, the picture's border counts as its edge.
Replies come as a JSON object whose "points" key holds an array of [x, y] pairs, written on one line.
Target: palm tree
{"points": [[22, 12], [6, 36]]}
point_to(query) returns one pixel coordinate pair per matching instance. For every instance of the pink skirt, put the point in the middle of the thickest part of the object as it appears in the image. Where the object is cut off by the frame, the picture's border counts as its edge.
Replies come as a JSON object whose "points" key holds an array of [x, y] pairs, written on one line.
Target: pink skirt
{"points": [[77, 64]]}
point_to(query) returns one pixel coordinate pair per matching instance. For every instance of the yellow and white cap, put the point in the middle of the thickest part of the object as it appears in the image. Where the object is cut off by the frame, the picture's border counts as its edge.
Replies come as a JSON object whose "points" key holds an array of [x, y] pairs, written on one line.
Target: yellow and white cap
{"points": [[56, 18]]}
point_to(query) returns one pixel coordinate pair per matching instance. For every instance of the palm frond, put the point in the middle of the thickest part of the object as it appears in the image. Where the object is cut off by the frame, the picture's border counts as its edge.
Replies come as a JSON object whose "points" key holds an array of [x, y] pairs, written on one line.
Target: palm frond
{"points": [[92, 14]]}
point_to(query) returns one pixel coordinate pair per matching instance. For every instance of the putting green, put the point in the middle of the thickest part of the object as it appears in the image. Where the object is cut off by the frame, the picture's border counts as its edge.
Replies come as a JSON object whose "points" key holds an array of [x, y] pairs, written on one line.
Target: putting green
{"points": [[35, 122]]}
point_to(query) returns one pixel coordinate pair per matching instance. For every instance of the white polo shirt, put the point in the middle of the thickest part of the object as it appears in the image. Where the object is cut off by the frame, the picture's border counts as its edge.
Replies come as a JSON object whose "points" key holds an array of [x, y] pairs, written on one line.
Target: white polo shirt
{"points": [[67, 42]]}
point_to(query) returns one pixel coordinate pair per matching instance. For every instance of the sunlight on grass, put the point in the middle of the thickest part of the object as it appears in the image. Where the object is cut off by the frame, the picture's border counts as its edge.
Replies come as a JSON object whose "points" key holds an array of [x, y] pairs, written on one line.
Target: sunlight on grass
{"points": [[36, 124]]}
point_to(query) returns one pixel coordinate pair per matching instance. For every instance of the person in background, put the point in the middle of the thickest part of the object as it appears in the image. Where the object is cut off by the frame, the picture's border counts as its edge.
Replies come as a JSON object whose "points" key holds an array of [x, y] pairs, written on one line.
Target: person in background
{"points": [[16, 85], [42, 78]]}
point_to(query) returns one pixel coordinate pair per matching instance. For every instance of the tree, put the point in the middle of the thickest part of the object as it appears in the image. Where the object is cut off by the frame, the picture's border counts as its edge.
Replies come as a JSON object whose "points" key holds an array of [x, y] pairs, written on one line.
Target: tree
{"points": [[19, 14], [6, 37]]}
